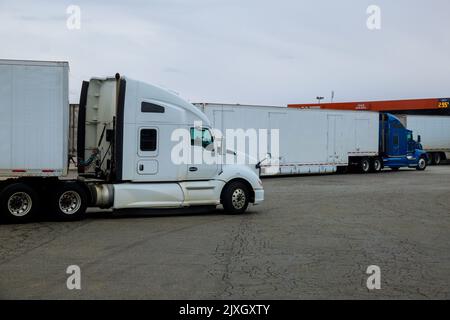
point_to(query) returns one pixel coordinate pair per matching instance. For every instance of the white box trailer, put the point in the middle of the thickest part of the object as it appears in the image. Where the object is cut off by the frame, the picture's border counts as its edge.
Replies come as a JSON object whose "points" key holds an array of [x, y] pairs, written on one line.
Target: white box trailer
{"points": [[434, 132], [310, 140], [125, 155], [33, 118]]}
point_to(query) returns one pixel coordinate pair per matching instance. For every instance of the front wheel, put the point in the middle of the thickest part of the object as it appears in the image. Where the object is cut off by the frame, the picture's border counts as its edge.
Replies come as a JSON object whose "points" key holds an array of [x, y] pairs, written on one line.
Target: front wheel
{"points": [[421, 164], [235, 198], [69, 202]]}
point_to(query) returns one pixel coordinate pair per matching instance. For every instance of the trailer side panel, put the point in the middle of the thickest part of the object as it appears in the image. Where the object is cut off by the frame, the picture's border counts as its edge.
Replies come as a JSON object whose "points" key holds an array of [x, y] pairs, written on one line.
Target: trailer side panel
{"points": [[34, 118]]}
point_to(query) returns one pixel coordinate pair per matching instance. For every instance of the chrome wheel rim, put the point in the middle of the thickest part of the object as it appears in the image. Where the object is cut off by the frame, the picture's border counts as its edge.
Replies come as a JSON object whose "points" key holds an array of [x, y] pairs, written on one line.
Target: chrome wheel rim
{"points": [[20, 204], [437, 159], [238, 199], [377, 165], [365, 165], [422, 163], [69, 202]]}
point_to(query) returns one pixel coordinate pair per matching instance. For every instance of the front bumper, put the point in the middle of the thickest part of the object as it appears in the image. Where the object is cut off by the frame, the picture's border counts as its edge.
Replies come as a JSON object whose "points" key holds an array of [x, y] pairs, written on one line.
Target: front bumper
{"points": [[259, 196]]}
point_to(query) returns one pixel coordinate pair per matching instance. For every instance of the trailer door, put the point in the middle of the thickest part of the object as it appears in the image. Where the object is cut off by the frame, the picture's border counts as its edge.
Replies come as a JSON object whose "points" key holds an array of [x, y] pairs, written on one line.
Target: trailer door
{"points": [[335, 143], [362, 135]]}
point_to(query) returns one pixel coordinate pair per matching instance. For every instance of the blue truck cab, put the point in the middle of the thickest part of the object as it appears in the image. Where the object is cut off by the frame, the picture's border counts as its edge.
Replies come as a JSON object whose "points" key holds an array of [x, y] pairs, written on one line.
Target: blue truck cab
{"points": [[397, 146]]}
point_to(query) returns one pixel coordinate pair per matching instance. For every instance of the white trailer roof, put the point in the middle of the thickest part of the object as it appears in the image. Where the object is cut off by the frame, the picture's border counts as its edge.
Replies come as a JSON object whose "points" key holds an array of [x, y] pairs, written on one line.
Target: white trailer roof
{"points": [[34, 63]]}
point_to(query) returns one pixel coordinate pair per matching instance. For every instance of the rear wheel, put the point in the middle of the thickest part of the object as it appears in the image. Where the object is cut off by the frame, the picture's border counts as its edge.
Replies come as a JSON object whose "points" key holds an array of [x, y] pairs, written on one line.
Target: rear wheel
{"points": [[19, 203], [235, 198], [437, 159], [377, 165], [421, 164], [69, 202], [364, 165]]}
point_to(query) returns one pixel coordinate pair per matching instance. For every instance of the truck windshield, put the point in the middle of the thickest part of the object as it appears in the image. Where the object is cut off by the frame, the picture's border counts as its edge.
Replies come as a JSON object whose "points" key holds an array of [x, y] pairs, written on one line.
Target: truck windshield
{"points": [[202, 136]]}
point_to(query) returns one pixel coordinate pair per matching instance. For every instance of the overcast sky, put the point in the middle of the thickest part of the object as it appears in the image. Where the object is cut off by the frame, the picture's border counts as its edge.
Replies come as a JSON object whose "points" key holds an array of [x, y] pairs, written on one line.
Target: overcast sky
{"points": [[243, 51]]}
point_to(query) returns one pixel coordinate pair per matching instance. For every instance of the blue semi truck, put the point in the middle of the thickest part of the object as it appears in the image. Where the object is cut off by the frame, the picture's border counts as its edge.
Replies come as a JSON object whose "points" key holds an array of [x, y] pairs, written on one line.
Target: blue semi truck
{"points": [[397, 149], [397, 146]]}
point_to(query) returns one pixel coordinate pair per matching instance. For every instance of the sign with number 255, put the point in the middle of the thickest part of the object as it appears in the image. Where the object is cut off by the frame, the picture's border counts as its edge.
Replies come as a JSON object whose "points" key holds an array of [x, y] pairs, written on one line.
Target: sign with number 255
{"points": [[444, 103]]}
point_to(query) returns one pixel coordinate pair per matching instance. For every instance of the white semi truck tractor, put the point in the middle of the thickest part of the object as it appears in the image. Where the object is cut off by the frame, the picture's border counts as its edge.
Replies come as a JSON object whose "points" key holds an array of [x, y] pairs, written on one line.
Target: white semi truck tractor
{"points": [[126, 148]]}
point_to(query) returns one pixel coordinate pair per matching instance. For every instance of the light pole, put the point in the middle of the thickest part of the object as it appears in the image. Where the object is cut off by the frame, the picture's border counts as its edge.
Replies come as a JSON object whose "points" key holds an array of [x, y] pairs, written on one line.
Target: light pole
{"points": [[319, 98]]}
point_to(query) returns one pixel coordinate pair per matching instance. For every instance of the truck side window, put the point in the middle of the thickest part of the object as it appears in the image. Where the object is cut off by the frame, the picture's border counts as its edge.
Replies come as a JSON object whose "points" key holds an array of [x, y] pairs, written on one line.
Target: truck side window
{"points": [[148, 107], [148, 139], [409, 137], [201, 134], [395, 140]]}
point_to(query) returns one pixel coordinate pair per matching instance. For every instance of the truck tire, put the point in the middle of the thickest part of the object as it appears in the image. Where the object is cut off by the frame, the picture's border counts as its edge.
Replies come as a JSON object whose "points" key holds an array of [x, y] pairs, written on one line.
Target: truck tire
{"points": [[19, 203], [235, 197], [421, 164], [376, 165], [69, 202], [364, 165], [437, 159]]}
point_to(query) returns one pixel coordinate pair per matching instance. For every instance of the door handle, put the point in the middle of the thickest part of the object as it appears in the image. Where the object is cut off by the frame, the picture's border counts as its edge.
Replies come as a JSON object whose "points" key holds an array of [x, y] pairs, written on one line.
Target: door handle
{"points": [[193, 169], [141, 167]]}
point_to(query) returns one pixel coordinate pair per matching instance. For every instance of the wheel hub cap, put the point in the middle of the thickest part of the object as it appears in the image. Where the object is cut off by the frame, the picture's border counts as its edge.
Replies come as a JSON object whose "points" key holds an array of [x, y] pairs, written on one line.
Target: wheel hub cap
{"points": [[421, 163], [19, 204], [377, 165], [69, 202], [238, 199], [365, 165]]}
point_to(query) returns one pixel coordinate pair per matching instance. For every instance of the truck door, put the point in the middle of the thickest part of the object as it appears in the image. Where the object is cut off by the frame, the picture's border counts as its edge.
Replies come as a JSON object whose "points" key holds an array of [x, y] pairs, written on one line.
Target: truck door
{"points": [[147, 162], [204, 165], [395, 144], [398, 140]]}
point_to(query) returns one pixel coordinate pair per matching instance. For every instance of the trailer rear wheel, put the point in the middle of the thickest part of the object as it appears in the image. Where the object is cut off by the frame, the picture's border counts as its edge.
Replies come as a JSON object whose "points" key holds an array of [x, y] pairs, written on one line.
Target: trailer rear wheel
{"points": [[364, 165], [235, 197], [69, 202], [377, 165], [19, 203], [421, 164]]}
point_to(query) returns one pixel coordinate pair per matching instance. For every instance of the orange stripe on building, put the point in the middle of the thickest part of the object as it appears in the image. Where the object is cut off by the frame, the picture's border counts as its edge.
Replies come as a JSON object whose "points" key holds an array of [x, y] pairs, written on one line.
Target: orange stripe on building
{"points": [[411, 104]]}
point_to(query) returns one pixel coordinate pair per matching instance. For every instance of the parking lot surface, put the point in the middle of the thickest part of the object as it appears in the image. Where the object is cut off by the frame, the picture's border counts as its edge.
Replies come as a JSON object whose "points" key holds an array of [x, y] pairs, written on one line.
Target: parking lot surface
{"points": [[313, 237]]}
